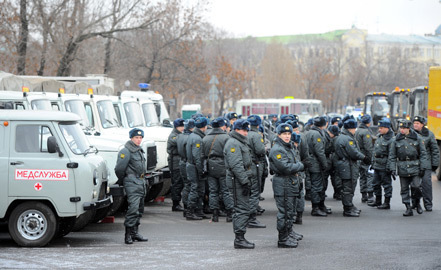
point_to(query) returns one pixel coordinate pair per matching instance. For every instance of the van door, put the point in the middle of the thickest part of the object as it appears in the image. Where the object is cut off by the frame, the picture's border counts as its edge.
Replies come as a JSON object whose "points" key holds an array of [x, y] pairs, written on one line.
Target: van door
{"points": [[36, 173], [4, 158]]}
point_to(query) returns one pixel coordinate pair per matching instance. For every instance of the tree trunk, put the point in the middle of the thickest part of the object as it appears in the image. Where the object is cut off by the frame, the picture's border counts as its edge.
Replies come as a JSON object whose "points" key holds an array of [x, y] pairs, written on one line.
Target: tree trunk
{"points": [[40, 71], [23, 39], [107, 56], [66, 61]]}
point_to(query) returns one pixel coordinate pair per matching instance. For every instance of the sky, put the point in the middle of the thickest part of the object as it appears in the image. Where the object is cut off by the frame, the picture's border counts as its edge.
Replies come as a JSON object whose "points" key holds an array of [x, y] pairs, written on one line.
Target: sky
{"points": [[290, 17]]}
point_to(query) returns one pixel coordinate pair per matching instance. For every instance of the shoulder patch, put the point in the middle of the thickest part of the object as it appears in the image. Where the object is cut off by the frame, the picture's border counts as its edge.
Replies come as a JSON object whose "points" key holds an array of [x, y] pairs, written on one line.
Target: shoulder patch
{"points": [[319, 140], [122, 156], [233, 150], [279, 156], [198, 145], [261, 140], [368, 136], [351, 143], [174, 138]]}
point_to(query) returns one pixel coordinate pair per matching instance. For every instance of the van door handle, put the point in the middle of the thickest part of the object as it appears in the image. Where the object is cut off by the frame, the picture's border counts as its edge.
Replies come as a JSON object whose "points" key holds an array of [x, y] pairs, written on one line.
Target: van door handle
{"points": [[17, 163]]}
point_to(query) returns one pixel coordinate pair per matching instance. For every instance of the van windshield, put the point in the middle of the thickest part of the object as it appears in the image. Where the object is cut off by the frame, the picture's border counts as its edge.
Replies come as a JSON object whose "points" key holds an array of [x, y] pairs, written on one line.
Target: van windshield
{"points": [[75, 138], [41, 104], [150, 116], [107, 114], [77, 107], [133, 114]]}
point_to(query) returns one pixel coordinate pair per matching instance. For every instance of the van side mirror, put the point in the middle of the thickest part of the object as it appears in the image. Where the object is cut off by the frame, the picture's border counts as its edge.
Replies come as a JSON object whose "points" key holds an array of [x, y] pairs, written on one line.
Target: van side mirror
{"points": [[166, 123], [52, 146], [389, 99], [412, 99]]}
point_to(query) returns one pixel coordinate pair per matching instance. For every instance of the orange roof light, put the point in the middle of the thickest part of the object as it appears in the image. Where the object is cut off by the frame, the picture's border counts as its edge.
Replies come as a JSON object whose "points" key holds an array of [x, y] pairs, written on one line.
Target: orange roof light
{"points": [[408, 90], [61, 90], [90, 91], [6, 123], [25, 89]]}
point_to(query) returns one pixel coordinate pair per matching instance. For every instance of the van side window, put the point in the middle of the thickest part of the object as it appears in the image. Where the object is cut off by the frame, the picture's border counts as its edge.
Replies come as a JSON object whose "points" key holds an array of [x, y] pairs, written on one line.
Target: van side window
{"points": [[89, 114], [118, 112], [31, 138]]}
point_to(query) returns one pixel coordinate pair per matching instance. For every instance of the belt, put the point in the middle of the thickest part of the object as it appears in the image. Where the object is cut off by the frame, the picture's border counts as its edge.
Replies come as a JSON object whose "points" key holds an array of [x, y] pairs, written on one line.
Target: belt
{"points": [[406, 159], [140, 177]]}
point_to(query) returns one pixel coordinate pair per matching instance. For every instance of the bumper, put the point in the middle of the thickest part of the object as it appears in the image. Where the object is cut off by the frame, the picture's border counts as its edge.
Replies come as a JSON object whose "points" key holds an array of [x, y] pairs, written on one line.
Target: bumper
{"points": [[98, 204], [154, 178]]}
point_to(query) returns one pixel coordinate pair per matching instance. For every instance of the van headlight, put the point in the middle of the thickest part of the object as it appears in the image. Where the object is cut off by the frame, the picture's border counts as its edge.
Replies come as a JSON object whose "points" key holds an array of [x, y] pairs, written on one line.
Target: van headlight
{"points": [[95, 177]]}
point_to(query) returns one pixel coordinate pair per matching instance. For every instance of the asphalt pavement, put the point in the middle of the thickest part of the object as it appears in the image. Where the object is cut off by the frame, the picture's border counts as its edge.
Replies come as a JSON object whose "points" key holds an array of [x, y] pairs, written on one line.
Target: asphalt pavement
{"points": [[378, 239]]}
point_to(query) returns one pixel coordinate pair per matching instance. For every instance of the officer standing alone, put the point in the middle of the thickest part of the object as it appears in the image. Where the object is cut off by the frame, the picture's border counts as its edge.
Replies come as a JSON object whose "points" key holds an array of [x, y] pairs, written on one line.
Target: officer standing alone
{"points": [[131, 167], [285, 162], [238, 165], [408, 156]]}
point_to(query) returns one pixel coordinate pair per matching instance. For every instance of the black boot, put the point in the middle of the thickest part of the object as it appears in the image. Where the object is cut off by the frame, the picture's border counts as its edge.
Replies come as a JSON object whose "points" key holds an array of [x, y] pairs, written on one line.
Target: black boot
{"points": [[254, 223], [294, 235], [191, 215], [260, 210], [349, 212], [375, 203], [285, 241], [299, 219], [128, 236], [136, 236], [409, 211], [222, 213], [371, 197], [325, 209], [419, 209], [201, 214], [386, 204], [364, 197], [229, 216], [355, 209], [317, 212], [177, 207], [215, 217], [241, 243]]}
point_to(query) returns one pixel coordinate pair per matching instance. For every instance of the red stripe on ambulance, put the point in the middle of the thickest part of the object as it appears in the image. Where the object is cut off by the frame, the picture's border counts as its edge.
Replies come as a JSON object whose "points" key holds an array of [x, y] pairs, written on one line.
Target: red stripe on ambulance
{"points": [[41, 175]]}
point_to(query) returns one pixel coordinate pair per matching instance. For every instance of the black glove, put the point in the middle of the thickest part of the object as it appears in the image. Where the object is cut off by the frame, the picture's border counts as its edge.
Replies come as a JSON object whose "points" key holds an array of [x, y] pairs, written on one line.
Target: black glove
{"points": [[388, 172], [421, 173], [245, 190], [434, 168], [301, 185], [366, 160]]}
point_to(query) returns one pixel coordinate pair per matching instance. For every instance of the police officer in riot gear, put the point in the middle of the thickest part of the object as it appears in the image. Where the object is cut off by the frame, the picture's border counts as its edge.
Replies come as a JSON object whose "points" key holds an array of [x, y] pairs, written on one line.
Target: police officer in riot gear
{"points": [[238, 165], [212, 150], [433, 155], [348, 154], [181, 145], [131, 167], [365, 142], [408, 156], [257, 151], [285, 163], [173, 164], [195, 171], [334, 131], [382, 173]]}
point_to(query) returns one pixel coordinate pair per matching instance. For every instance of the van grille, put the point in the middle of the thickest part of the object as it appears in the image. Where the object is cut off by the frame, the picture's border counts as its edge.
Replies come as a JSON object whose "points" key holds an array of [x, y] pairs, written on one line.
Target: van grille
{"points": [[151, 157]]}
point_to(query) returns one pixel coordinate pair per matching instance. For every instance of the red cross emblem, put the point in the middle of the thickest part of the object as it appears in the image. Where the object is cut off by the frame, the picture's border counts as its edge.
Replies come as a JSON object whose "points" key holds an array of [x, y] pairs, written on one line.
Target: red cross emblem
{"points": [[38, 186]]}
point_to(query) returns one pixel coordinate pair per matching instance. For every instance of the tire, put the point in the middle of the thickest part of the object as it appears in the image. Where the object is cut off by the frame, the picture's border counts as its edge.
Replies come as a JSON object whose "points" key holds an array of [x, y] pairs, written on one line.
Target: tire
{"points": [[153, 192], [65, 226], [32, 224], [100, 214], [166, 187], [438, 171], [116, 205], [83, 220]]}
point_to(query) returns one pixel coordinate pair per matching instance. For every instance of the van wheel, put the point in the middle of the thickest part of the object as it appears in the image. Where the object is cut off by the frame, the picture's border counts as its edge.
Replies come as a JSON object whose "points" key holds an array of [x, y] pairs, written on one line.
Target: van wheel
{"points": [[438, 171], [32, 224], [116, 205], [153, 192]]}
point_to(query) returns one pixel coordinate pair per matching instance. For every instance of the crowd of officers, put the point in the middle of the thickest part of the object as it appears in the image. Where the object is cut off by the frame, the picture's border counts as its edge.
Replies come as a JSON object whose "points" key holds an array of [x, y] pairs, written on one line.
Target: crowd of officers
{"points": [[220, 167]]}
